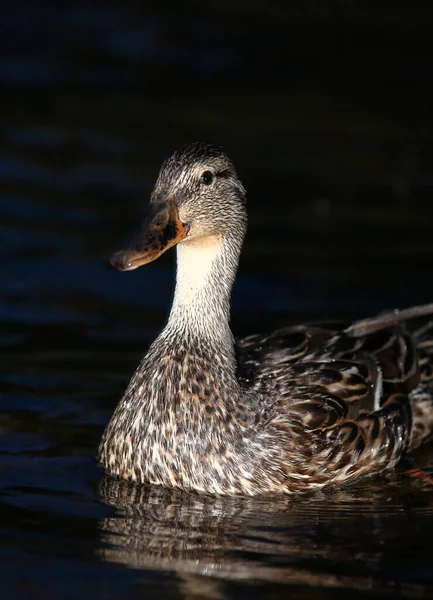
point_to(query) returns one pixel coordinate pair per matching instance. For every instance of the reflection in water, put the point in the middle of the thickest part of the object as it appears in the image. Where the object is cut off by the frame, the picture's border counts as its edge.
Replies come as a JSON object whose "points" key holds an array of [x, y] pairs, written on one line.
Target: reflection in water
{"points": [[345, 539]]}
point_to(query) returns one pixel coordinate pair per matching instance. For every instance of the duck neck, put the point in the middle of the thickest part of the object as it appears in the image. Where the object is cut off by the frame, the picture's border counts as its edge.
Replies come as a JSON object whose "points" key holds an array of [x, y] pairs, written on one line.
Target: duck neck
{"points": [[206, 269]]}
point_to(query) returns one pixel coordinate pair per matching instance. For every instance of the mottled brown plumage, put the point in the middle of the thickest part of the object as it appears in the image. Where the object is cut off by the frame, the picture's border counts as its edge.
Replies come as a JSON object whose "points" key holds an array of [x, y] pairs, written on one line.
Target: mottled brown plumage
{"points": [[289, 412]]}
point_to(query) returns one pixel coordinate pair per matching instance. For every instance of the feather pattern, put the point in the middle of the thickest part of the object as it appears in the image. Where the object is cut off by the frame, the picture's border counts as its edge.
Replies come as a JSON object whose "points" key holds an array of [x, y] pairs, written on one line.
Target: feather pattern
{"points": [[303, 407]]}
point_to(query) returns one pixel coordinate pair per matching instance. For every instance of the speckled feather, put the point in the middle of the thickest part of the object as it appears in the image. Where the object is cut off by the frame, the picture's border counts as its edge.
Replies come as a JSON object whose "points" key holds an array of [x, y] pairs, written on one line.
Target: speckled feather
{"points": [[304, 407]]}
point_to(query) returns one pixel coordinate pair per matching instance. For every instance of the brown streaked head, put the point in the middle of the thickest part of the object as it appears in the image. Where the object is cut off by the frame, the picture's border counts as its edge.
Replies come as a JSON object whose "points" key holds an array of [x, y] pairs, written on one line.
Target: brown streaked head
{"points": [[197, 195]]}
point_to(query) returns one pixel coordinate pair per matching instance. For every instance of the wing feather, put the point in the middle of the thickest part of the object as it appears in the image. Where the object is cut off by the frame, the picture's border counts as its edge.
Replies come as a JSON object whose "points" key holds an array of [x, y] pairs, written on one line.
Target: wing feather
{"points": [[322, 376]]}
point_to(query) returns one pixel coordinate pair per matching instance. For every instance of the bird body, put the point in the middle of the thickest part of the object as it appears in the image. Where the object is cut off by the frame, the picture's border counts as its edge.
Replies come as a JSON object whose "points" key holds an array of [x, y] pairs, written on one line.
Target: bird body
{"points": [[289, 412]]}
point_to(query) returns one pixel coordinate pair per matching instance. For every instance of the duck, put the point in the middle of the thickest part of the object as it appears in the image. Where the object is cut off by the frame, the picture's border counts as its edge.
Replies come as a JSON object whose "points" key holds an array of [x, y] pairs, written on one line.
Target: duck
{"points": [[289, 412]]}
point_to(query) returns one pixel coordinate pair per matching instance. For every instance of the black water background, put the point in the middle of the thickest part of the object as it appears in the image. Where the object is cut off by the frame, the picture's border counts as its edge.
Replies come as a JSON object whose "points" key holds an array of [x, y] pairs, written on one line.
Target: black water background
{"points": [[326, 112]]}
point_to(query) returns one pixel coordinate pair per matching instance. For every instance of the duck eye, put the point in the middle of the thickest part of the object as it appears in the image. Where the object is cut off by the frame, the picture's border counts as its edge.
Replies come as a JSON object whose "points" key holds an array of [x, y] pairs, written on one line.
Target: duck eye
{"points": [[206, 177]]}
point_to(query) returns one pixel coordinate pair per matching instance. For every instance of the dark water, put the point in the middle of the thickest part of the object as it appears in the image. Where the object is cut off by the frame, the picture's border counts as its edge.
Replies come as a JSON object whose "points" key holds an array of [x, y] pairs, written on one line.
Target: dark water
{"points": [[327, 115]]}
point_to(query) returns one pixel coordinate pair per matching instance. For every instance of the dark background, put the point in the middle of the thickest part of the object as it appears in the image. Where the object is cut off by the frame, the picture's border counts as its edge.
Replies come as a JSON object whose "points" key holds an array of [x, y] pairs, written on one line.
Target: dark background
{"points": [[326, 110]]}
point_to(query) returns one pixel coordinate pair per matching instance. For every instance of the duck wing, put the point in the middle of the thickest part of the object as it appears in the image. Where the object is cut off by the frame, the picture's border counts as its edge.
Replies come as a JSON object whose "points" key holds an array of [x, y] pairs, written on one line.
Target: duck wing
{"points": [[258, 355], [323, 375]]}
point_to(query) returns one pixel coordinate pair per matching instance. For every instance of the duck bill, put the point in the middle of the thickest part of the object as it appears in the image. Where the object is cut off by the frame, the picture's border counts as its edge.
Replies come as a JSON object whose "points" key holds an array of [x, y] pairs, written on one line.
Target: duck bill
{"points": [[161, 230]]}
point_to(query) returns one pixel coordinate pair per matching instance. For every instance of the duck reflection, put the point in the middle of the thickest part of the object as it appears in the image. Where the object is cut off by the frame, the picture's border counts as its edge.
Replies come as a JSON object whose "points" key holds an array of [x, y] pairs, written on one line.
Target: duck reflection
{"points": [[347, 539]]}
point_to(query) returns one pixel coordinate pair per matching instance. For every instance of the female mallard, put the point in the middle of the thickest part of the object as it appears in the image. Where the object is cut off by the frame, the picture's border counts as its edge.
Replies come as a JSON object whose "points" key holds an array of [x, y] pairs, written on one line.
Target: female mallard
{"points": [[289, 412]]}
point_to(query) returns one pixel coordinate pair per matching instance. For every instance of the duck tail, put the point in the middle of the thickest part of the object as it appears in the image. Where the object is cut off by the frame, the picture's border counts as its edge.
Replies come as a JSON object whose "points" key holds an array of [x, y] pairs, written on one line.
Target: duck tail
{"points": [[388, 319], [422, 396]]}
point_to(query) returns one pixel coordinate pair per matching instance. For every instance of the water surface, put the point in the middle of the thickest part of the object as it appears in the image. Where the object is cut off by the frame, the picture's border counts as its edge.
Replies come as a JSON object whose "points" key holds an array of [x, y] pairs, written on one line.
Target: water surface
{"points": [[333, 142]]}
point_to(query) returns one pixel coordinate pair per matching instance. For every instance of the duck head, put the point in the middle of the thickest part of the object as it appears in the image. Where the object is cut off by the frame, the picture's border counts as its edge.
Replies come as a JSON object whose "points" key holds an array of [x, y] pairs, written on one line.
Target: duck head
{"points": [[197, 195]]}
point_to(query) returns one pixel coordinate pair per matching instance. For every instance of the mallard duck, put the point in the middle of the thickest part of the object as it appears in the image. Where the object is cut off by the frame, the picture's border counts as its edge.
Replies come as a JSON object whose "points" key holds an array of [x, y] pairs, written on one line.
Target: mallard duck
{"points": [[289, 412]]}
